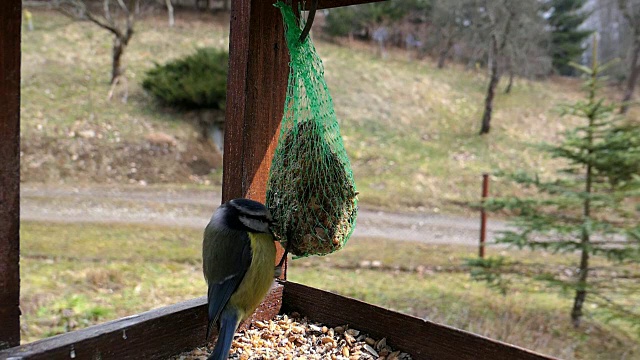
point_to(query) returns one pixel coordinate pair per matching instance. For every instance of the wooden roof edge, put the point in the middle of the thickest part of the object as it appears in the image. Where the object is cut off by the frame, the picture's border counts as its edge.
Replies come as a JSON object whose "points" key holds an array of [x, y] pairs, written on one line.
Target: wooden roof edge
{"points": [[327, 4]]}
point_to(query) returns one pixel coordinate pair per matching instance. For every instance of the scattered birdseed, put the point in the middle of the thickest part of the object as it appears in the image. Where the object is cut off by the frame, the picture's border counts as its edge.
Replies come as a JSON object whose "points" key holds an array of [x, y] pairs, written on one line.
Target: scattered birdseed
{"points": [[291, 338]]}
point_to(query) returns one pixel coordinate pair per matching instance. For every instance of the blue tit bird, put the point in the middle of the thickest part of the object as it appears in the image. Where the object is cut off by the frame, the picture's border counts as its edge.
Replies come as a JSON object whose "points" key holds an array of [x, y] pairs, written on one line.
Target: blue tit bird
{"points": [[238, 257]]}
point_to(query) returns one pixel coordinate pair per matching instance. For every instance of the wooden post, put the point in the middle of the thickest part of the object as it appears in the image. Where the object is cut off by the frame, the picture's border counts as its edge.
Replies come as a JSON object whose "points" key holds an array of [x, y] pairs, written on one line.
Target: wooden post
{"points": [[11, 15], [483, 214], [256, 91]]}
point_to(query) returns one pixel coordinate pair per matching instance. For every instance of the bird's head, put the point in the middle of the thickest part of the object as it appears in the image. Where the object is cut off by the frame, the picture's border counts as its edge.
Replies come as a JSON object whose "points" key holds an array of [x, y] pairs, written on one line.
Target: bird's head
{"points": [[244, 215]]}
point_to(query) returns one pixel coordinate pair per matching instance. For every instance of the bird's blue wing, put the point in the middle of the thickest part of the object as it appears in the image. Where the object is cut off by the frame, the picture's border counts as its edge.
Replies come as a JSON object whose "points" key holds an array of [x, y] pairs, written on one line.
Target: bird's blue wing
{"points": [[235, 264]]}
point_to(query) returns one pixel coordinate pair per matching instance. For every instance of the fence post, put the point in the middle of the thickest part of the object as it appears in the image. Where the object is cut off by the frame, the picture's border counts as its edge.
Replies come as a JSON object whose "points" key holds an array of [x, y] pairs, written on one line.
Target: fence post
{"points": [[483, 214]]}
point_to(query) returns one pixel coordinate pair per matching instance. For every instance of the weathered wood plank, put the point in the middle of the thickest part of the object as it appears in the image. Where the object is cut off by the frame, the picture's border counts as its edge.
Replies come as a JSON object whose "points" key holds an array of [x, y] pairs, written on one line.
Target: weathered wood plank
{"points": [[160, 333], [234, 147], [256, 92], [422, 339], [327, 4], [155, 334], [11, 15]]}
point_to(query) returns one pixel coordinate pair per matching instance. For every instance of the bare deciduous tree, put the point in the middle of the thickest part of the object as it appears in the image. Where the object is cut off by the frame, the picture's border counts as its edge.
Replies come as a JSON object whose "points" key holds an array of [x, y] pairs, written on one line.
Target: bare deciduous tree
{"points": [[515, 31], [122, 30], [527, 50], [452, 21], [500, 18], [630, 9], [509, 34]]}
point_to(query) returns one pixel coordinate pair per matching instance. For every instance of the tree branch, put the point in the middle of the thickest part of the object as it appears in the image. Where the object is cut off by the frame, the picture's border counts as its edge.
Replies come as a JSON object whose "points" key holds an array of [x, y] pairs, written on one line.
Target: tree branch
{"points": [[507, 26], [66, 7], [109, 27], [107, 11], [130, 19]]}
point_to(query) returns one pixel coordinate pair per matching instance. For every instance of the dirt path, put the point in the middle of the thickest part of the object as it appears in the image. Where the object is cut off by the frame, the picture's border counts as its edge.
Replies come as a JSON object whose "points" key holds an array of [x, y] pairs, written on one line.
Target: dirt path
{"points": [[192, 208]]}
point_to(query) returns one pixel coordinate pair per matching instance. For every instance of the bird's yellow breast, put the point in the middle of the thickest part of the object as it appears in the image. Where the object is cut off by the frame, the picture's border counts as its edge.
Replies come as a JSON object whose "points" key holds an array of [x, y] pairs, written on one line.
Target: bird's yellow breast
{"points": [[259, 277]]}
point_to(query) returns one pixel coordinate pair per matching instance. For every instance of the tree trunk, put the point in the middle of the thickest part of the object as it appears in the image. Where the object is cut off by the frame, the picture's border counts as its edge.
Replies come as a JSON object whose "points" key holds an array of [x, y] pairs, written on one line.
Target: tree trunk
{"points": [[494, 54], [170, 13], [634, 73], [581, 288], [488, 102], [491, 90], [510, 83], [581, 292], [118, 50], [442, 57], [120, 42]]}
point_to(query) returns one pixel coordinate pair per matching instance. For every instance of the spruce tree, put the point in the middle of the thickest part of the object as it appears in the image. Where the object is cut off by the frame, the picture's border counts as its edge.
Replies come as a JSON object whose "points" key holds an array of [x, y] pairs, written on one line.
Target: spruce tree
{"points": [[589, 208], [196, 82], [566, 38]]}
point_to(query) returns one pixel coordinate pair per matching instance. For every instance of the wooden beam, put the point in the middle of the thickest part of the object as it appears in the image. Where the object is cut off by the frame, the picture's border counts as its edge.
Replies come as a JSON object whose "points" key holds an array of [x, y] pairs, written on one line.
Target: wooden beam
{"points": [[11, 15], [327, 4], [421, 338], [155, 334], [256, 91]]}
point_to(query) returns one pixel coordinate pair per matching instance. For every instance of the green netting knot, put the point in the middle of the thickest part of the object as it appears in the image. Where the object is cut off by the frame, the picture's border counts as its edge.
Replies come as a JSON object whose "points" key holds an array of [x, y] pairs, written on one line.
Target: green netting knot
{"points": [[311, 192]]}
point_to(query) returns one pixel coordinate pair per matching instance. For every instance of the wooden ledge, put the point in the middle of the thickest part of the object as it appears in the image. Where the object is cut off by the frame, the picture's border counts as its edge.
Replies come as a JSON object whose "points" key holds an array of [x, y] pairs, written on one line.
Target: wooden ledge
{"points": [[160, 333], [421, 338], [327, 4], [155, 334]]}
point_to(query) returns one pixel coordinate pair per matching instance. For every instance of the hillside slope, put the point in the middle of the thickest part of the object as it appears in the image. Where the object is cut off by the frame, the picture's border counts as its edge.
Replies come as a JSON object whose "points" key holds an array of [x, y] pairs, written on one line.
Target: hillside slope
{"points": [[410, 129]]}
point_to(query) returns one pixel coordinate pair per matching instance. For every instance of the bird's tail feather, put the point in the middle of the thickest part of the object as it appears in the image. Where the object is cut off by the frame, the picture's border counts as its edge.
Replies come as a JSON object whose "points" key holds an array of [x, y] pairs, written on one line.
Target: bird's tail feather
{"points": [[228, 324]]}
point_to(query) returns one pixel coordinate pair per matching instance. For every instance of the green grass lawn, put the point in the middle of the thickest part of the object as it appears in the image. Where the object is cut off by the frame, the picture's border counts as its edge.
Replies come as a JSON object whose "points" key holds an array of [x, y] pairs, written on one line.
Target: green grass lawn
{"points": [[74, 276]]}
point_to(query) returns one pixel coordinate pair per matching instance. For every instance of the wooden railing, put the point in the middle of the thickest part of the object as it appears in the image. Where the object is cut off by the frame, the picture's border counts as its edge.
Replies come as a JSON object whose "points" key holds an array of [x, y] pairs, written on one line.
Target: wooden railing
{"points": [[158, 334]]}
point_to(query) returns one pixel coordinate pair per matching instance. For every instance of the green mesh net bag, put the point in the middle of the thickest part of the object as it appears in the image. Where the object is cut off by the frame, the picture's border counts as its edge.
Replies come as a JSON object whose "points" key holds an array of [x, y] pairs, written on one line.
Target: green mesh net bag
{"points": [[311, 192]]}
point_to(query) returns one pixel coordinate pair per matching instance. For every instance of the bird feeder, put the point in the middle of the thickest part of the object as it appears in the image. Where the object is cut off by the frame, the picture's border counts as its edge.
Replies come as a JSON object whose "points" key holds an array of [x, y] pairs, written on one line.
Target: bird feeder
{"points": [[255, 98]]}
